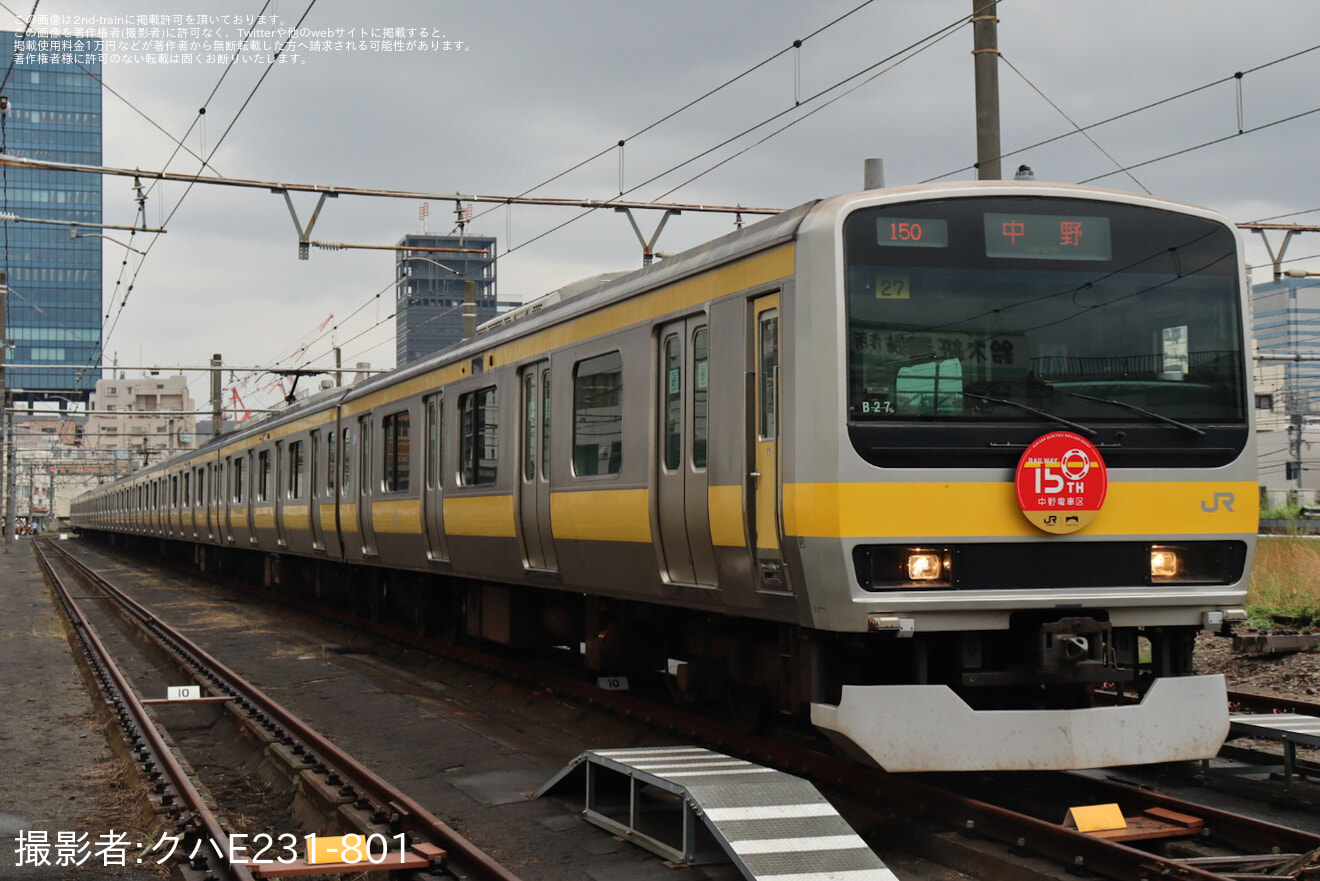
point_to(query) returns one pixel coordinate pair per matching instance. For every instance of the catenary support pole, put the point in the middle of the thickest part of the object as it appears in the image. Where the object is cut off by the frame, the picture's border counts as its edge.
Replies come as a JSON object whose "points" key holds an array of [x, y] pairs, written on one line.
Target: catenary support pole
{"points": [[985, 53]]}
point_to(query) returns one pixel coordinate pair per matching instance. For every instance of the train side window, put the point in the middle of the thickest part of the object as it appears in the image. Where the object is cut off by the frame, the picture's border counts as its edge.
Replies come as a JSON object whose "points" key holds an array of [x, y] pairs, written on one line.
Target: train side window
{"points": [[479, 437], [297, 467], [673, 380], [530, 443], [433, 471], [398, 451], [545, 424], [330, 463], [347, 455], [598, 416], [174, 490], [263, 476], [201, 487], [769, 376], [187, 498], [700, 396], [238, 480]]}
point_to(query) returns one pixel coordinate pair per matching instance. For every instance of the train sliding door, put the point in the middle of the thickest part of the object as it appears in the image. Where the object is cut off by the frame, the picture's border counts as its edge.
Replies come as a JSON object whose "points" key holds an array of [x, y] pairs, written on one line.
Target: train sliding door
{"points": [[763, 442], [433, 494], [538, 544], [682, 507], [366, 485], [316, 493]]}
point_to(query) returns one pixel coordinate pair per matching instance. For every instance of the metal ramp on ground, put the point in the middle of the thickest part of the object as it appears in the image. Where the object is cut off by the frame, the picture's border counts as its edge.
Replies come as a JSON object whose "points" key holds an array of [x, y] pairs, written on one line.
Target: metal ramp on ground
{"points": [[691, 805], [1291, 728]]}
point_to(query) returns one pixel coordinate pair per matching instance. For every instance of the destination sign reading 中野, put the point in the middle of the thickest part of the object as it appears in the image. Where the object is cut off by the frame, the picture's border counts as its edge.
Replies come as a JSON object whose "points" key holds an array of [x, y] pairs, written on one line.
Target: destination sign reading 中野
{"points": [[1047, 237], [1061, 482]]}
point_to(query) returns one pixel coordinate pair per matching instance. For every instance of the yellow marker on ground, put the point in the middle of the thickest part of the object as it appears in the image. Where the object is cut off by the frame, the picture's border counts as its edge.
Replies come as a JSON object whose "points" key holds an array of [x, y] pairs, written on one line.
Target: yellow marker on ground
{"points": [[1095, 818]]}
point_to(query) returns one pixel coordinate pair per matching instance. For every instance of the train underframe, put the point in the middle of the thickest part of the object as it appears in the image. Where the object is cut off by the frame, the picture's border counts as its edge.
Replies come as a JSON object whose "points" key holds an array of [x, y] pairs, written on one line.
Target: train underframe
{"points": [[756, 671]]}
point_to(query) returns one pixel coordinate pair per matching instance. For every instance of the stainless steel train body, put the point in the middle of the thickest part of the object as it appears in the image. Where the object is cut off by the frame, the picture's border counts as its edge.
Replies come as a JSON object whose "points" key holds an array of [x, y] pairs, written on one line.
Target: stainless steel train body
{"points": [[783, 466]]}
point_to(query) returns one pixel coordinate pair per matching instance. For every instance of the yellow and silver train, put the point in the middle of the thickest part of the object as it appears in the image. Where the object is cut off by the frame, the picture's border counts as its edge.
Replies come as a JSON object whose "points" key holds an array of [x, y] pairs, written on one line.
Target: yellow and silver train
{"points": [[925, 465]]}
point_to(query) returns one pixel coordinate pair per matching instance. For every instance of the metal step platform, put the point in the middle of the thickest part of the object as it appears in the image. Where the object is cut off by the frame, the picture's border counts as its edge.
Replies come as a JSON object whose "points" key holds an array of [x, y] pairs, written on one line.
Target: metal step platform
{"points": [[1291, 728], [691, 805]]}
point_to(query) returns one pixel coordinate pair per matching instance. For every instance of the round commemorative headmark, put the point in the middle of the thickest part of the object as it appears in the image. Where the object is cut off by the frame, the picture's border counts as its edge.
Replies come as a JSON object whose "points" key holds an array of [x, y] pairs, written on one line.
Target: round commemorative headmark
{"points": [[1061, 482]]}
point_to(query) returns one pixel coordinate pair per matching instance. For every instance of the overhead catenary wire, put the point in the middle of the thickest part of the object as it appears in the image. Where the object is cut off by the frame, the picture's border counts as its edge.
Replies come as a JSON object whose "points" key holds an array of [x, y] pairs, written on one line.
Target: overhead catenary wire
{"points": [[1236, 76], [901, 55], [1011, 66], [795, 45], [105, 336]]}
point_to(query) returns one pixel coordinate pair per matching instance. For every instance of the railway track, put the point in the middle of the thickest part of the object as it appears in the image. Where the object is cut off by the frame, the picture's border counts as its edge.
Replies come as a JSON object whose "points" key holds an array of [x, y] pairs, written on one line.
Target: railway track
{"points": [[397, 833], [1018, 815]]}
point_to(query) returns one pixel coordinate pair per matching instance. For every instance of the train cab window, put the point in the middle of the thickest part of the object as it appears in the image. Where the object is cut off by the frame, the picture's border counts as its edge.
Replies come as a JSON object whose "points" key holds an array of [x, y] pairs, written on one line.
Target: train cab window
{"points": [[700, 396], [297, 468], [598, 416], [397, 451], [263, 476], [479, 437], [930, 387]]}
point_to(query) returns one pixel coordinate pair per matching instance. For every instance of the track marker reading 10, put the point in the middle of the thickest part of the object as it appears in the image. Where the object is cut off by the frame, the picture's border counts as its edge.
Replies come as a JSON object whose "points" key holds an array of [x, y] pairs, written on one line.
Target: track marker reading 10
{"points": [[183, 692]]}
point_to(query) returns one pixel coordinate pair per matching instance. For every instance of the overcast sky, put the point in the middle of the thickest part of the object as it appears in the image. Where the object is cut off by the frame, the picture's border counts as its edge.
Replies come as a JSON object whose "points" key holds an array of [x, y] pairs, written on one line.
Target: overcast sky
{"points": [[527, 89]]}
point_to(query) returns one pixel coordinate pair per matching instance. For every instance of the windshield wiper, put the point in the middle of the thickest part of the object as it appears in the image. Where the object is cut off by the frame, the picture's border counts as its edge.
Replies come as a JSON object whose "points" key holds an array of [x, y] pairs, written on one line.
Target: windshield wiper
{"points": [[1004, 402], [1190, 429]]}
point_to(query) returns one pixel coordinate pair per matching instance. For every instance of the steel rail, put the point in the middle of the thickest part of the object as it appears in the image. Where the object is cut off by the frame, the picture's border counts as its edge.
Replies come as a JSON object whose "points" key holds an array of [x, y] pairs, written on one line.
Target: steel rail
{"points": [[119, 693], [1068, 847], [1075, 850], [270, 714]]}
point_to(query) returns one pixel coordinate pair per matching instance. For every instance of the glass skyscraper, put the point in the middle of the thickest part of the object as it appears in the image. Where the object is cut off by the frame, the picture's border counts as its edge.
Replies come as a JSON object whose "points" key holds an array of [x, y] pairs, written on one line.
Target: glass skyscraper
{"points": [[429, 291], [54, 270]]}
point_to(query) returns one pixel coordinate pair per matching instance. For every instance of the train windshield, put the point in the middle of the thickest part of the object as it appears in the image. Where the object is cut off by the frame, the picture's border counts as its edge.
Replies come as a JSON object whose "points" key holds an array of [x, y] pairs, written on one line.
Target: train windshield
{"points": [[1022, 310]]}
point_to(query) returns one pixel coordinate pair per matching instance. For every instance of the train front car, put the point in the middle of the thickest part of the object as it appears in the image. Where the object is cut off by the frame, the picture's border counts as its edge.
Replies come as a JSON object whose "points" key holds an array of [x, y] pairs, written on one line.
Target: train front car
{"points": [[1044, 476]]}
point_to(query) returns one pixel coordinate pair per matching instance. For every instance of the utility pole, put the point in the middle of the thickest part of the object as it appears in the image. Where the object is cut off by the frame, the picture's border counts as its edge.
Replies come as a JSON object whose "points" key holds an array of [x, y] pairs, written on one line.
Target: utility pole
{"points": [[217, 397], [985, 53], [469, 309]]}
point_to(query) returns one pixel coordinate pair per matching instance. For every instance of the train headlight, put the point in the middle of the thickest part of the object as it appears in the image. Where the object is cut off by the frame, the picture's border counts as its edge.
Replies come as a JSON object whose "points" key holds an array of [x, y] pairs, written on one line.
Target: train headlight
{"points": [[1192, 563], [894, 567], [925, 566], [1164, 563]]}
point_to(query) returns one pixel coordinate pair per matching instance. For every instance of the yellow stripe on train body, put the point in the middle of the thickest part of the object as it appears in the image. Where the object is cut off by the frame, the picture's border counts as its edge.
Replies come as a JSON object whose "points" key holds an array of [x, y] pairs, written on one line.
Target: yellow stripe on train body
{"points": [[490, 516], [397, 517], [727, 527], [296, 517], [602, 515], [1154, 508]]}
